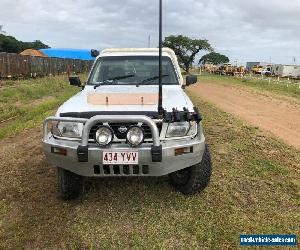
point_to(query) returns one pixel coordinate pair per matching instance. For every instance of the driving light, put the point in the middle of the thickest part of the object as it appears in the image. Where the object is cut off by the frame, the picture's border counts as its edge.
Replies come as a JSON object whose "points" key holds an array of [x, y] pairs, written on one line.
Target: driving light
{"points": [[135, 136], [104, 135], [68, 129]]}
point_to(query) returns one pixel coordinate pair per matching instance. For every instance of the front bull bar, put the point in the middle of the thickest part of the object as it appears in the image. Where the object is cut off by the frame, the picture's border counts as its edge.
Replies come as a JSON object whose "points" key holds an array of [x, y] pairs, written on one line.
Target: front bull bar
{"points": [[82, 150]]}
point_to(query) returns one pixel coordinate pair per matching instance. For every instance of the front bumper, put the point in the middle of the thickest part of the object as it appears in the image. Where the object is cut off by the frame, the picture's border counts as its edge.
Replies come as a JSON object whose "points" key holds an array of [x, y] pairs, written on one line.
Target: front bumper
{"points": [[93, 167]]}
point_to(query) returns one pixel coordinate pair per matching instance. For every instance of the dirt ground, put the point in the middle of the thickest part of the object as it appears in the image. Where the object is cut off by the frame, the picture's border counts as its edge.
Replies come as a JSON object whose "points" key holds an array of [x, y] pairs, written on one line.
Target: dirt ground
{"points": [[22, 192], [277, 115]]}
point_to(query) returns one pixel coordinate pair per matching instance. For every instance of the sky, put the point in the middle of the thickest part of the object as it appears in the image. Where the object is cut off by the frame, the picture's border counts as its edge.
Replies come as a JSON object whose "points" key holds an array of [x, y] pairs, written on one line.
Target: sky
{"points": [[267, 31]]}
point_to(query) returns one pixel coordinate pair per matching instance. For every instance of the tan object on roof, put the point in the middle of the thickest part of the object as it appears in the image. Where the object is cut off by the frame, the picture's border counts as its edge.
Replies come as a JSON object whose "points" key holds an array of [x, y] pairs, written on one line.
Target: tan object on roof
{"points": [[121, 99], [32, 52]]}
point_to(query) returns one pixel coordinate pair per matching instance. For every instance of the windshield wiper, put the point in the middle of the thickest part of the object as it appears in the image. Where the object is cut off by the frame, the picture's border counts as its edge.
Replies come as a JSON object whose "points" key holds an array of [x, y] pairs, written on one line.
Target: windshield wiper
{"points": [[112, 80], [150, 79]]}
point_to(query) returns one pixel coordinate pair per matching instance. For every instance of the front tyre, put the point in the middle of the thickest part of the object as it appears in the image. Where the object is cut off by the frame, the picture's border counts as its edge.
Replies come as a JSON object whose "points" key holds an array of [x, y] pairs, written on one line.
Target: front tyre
{"points": [[70, 185], [193, 179]]}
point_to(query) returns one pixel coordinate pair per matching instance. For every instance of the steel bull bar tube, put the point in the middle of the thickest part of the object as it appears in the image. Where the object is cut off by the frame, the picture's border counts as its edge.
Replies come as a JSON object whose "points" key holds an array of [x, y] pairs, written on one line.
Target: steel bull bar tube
{"points": [[82, 150]]}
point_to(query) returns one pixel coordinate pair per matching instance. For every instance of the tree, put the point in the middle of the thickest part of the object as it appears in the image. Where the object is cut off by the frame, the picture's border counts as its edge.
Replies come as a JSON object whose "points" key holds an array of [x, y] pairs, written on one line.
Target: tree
{"points": [[214, 58], [37, 44], [10, 44], [186, 49]]}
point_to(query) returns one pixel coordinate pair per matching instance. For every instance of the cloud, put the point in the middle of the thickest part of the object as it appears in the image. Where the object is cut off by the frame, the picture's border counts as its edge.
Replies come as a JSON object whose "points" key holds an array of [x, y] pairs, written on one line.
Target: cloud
{"points": [[243, 30]]}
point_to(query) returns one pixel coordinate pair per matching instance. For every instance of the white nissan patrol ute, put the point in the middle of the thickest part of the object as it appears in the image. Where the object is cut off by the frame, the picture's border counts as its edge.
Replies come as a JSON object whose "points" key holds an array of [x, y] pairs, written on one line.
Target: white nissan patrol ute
{"points": [[113, 126]]}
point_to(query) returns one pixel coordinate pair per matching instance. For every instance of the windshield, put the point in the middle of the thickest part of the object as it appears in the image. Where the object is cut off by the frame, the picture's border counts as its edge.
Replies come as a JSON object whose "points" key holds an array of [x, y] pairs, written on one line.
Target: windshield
{"points": [[132, 70]]}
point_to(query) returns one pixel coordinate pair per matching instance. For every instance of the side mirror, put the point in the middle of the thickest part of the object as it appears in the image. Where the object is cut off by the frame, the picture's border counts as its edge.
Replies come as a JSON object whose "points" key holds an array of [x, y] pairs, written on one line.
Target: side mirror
{"points": [[95, 53], [75, 81], [191, 79]]}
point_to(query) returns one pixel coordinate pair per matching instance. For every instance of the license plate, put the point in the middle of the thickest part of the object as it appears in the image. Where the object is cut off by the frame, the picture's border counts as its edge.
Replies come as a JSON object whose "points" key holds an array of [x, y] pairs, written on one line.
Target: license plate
{"points": [[120, 157]]}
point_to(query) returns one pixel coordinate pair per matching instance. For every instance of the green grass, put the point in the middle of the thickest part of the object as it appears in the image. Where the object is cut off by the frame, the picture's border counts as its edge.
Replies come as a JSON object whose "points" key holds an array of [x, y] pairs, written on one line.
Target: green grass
{"points": [[31, 89], [33, 116], [283, 88], [26, 104], [254, 190]]}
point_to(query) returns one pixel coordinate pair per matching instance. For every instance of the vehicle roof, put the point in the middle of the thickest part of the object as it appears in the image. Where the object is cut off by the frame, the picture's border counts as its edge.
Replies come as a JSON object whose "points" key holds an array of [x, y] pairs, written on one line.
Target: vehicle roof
{"points": [[139, 51]]}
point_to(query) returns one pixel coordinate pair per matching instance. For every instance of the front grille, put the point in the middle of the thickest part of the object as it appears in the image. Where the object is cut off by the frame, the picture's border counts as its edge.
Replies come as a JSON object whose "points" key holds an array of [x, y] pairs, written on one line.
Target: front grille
{"points": [[115, 127], [129, 170], [122, 136]]}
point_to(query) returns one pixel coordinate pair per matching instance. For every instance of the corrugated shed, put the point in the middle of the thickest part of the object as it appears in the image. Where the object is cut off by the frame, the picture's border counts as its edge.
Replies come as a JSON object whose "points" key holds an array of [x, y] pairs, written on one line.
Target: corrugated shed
{"points": [[82, 54]]}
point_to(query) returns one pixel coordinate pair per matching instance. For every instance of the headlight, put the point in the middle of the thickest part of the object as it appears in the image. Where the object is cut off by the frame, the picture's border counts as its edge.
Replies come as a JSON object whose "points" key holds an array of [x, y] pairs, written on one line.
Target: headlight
{"points": [[181, 129], [104, 135], [68, 129], [135, 136]]}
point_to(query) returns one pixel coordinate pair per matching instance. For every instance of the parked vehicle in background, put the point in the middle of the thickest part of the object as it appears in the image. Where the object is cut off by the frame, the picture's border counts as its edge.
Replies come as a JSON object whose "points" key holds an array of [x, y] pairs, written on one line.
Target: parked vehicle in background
{"points": [[266, 71], [230, 70], [257, 70], [286, 70], [250, 65]]}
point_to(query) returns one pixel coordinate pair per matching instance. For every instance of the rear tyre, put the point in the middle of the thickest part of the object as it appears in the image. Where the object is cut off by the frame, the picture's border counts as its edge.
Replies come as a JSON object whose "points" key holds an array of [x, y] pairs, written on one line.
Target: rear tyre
{"points": [[193, 179], [70, 185]]}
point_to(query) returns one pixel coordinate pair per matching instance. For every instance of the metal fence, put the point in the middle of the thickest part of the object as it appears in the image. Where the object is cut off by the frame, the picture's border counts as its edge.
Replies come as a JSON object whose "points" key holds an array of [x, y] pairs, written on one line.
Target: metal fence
{"points": [[15, 66]]}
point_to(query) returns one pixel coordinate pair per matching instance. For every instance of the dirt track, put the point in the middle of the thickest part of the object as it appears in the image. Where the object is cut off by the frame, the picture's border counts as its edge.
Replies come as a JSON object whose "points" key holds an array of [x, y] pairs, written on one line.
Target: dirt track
{"points": [[276, 115]]}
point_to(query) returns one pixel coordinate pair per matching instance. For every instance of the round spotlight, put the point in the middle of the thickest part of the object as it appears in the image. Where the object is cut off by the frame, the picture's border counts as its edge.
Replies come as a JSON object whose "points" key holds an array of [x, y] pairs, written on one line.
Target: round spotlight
{"points": [[104, 135], [135, 136]]}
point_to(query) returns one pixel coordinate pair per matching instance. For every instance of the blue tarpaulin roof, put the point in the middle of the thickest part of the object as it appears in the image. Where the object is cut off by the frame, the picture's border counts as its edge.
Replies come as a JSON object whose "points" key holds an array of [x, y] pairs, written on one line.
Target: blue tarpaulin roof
{"points": [[82, 54]]}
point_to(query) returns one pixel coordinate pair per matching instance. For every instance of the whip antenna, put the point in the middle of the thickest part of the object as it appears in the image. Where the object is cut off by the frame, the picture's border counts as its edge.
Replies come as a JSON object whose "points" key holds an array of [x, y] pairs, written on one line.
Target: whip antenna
{"points": [[160, 108]]}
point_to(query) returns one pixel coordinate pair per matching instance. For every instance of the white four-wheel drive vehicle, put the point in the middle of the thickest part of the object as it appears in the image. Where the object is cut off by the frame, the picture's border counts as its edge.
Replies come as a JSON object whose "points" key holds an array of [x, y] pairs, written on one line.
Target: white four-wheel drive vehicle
{"points": [[113, 126]]}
